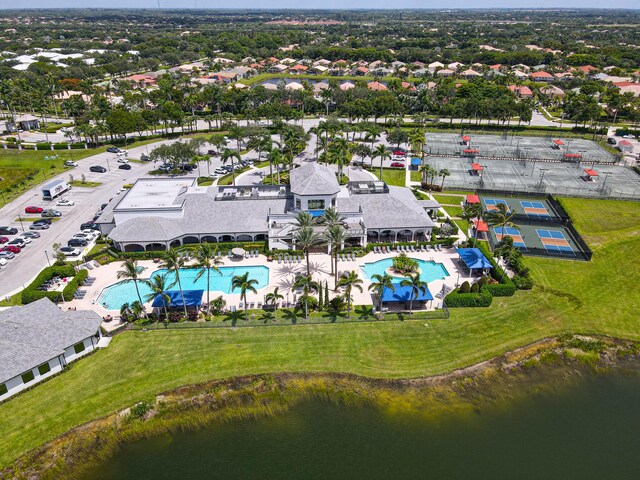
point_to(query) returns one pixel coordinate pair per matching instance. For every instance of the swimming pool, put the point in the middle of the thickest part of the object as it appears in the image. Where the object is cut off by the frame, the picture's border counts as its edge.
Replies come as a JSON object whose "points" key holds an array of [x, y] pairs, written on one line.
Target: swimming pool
{"points": [[114, 296], [430, 271]]}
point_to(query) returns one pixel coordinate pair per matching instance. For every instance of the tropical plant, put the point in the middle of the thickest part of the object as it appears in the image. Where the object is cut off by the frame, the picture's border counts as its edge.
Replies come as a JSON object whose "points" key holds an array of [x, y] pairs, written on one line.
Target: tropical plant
{"points": [[273, 298], [230, 155], [350, 280], [305, 239], [417, 287], [130, 273], [173, 262], [471, 212], [308, 286], [382, 153], [207, 259], [335, 236], [500, 217], [379, 284], [158, 286], [404, 265], [244, 284]]}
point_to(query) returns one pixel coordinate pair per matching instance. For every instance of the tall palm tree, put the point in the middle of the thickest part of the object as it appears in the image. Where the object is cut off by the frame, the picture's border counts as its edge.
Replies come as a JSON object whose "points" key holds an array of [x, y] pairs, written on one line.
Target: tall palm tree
{"points": [[382, 153], [417, 141], [273, 298], [338, 151], [379, 284], [501, 217], [417, 287], [158, 286], [332, 216], [236, 133], [305, 219], [229, 154], [335, 236], [471, 212], [173, 263], [306, 238], [244, 284], [275, 158], [372, 133], [350, 280], [444, 173], [308, 286], [131, 274], [207, 260]]}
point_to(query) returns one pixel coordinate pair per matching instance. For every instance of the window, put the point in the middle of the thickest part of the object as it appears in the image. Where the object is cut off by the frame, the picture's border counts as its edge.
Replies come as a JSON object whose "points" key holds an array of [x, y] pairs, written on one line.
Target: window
{"points": [[78, 347], [44, 368], [3, 389], [298, 203], [27, 377], [316, 204]]}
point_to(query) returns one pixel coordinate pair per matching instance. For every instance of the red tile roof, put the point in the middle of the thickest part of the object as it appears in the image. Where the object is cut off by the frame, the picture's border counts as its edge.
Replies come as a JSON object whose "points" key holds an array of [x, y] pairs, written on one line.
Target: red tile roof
{"points": [[466, 138], [473, 199], [541, 75], [477, 167], [558, 142], [481, 225], [590, 172]]}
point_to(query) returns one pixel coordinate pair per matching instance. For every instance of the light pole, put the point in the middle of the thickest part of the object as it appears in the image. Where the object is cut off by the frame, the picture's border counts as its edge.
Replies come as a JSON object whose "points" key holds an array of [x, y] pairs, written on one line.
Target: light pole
{"points": [[606, 176], [21, 224], [108, 166], [542, 170], [48, 261]]}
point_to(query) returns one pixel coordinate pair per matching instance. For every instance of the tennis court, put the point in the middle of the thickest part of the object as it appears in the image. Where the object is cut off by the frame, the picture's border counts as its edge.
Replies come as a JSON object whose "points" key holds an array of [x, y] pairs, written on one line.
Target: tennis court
{"points": [[491, 204], [535, 209], [554, 241], [513, 232]]}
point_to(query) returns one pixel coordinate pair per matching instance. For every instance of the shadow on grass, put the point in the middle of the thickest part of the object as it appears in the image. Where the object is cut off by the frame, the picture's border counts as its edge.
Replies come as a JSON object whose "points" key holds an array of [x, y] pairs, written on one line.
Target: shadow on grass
{"points": [[233, 317]]}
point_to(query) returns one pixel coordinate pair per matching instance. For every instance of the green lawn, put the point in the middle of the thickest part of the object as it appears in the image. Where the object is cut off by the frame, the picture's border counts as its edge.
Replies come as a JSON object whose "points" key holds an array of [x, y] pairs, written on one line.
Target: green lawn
{"points": [[79, 183], [448, 199], [453, 211], [392, 176], [585, 297]]}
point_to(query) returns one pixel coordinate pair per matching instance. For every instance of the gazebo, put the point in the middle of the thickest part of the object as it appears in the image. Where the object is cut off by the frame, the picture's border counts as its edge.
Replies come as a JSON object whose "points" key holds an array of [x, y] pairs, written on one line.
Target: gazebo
{"points": [[557, 144], [476, 169], [590, 175], [474, 259], [472, 199]]}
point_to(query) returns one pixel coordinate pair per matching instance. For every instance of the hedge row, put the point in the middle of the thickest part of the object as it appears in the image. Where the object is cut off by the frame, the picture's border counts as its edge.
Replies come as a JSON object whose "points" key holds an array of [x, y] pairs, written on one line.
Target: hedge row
{"points": [[72, 287], [31, 293], [223, 249], [462, 300]]}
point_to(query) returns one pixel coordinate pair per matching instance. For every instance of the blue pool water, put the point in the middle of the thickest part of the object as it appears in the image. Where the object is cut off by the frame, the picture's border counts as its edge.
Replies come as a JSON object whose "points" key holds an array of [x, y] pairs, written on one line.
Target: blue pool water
{"points": [[114, 296], [430, 270]]}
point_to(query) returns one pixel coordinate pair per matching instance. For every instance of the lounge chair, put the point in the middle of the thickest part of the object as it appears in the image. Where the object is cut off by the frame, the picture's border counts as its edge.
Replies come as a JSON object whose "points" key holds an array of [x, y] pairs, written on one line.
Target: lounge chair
{"points": [[279, 259], [353, 257], [252, 305], [241, 305], [259, 305], [413, 248], [89, 266], [233, 308]]}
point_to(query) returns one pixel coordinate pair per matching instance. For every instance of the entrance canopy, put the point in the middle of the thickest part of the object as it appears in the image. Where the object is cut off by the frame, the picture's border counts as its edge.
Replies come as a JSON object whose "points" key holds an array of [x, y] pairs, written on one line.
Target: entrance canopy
{"points": [[473, 258], [192, 298], [403, 294]]}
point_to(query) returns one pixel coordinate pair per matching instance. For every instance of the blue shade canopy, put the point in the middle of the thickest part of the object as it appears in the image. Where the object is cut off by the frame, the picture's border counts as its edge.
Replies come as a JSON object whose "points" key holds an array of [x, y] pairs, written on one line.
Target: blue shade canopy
{"points": [[192, 298], [473, 258], [403, 294], [415, 161]]}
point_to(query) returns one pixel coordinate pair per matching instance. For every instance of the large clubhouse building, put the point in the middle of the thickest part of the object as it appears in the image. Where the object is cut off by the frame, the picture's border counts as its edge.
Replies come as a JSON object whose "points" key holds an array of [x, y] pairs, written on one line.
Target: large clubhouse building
{"points": [[162, 213]]}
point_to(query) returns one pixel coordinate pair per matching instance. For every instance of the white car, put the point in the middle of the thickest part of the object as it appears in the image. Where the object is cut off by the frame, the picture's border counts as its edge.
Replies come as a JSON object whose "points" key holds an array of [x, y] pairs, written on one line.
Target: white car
{"points": [[70, 163], [122, 159], [3, 262], [65, 203], [90, 233], [122, 153], [83, 236], [70, 251]]}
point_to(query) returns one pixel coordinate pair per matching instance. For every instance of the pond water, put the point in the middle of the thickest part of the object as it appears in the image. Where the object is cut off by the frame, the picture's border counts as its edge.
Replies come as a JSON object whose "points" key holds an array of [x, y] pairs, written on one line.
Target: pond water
{"points": [[586, 431]]}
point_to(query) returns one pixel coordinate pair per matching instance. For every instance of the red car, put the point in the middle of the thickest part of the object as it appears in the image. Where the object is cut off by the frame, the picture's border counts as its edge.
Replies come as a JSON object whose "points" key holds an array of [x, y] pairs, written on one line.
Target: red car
{"points": [[399, 152], [33, 209], [4, 239], [11, 248], [397, 165]]}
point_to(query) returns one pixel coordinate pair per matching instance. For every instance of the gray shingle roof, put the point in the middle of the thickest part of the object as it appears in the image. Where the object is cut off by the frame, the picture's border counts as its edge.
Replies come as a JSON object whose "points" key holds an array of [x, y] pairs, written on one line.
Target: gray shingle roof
{"points": [[35, 333], [313, 179]]}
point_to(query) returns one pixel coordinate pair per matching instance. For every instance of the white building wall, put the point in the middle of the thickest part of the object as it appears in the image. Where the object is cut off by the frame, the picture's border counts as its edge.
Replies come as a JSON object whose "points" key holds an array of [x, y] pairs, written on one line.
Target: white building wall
{"points": [[122, 216], [304, 201], [16, 385], [90, 344]]}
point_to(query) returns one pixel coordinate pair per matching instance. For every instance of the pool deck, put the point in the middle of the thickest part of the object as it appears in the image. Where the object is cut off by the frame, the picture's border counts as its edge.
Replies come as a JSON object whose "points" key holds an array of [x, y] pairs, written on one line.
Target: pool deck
{"points": [[282, 276]]}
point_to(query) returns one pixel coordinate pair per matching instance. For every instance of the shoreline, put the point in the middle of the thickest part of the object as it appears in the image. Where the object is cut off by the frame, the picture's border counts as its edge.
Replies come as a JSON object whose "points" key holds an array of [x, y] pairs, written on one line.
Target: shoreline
{"points": [[548, 363]]}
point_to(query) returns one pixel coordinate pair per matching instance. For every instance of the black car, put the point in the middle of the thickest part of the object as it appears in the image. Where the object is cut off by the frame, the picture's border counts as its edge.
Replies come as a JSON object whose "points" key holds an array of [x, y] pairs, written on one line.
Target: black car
{"points": [[98, 169], [113, 150], [145, 158], [211, 152], [89, 226], [124, 166], [611, 141], [77, 242], [187, 167], [8, 231]]}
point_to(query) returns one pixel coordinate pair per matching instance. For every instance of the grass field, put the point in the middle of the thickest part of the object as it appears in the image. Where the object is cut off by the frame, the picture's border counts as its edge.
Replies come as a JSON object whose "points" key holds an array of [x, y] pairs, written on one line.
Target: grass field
{"points": [[448, 199], [596, 297], [453, 211], [392, 176]]}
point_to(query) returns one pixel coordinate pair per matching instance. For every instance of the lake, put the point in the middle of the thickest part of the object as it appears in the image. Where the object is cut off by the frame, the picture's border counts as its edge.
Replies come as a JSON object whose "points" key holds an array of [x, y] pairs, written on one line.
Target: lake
{"points": [[586, 430]]}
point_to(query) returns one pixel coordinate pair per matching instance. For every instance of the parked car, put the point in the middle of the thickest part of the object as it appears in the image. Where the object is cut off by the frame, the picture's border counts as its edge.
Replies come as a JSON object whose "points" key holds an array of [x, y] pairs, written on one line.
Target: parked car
{"points": [[3, 261], [187, 167], [30, 234], [19, 242], [32, 209], [145, 158], [39, 226], [70, 163], [89, 226], [397, 165], [83, 236], [122, 153], [122, 160], [7, 254], [65, 203], [8, 230], [97, 169], [124, 166], [165, 167], [51, 213], [70, 251], [113, 150], [11, 248], [77, 242], [4, 239], [92, 233], [611, 141], [42, 221]]}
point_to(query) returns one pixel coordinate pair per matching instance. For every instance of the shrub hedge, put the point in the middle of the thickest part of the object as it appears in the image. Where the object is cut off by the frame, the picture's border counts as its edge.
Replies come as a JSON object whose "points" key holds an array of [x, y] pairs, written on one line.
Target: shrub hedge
{"points": [[31, 293], [456, 299]]}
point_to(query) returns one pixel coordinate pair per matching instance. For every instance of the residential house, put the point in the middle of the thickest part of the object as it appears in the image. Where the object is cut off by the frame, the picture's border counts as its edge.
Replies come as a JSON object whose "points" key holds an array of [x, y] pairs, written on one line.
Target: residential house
{"points": [[455, 65], [298, 69], [552, 91], [376, 86], [470, 74], [39, 339], [445, 72], [361, 71], [522, 91], [435, 66], [318, 70], [277, 68], [541, 76]]}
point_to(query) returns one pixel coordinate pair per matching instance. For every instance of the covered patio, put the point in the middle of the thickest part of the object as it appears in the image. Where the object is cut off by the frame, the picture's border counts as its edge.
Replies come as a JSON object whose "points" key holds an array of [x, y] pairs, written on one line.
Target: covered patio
{"points": [[192, 299], [401, 296], [474, 259]]}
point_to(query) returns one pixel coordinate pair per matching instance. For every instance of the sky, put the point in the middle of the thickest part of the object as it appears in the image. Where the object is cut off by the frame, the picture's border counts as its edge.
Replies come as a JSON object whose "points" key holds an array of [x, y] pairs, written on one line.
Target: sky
{"points": [[323, 4]]}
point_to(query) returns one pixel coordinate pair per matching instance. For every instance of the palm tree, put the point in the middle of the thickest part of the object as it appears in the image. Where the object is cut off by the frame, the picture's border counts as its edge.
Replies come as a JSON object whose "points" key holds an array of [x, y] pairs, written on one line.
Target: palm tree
{"points": [[229, 154], [350, 280], [379, 284], [273, 298], [306, 238], [244, 284], [173, 263], [444, 173], [275, 158], [470, 212], [332, 216], [131, 274], [308, 286], [417, 287], [382, 152], [335, 236], [372, 133], [501, 217], [305, 219], [338, 151], [158, 286], [207, 260]]}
